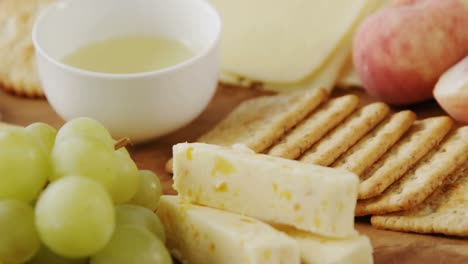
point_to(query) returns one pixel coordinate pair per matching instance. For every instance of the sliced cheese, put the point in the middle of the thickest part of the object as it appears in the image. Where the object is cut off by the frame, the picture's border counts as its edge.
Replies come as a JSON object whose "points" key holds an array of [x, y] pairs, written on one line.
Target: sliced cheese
{"points": [[202, 235], [283, 41], [325, 78], [328, 74], [348, 76], [315, 249], [312, 198]]}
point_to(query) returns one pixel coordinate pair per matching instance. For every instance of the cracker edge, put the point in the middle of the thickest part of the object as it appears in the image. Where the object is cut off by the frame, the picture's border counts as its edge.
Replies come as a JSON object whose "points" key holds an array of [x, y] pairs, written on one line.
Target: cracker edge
{"points": [[443, 129]]}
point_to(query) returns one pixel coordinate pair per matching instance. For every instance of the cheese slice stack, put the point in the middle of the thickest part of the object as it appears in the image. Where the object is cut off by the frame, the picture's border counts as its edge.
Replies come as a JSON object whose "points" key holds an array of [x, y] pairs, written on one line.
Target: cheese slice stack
{"points": [[202, 235], [236, 206], [288, 45]]}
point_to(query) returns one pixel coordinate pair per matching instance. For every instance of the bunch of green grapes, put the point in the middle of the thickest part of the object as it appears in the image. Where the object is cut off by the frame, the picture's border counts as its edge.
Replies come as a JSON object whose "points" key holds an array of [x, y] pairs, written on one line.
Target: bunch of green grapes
{"points": [[71, 197]]}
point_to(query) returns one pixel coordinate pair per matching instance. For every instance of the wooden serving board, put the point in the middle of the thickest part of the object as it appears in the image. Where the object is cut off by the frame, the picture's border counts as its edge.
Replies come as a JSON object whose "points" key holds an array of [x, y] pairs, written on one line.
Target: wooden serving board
{"points": [[389, 247]]}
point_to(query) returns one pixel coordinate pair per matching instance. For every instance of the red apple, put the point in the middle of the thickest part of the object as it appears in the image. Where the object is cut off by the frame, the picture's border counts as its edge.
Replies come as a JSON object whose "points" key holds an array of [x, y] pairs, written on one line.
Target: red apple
{"points": [[451, 91], [400, 51]]}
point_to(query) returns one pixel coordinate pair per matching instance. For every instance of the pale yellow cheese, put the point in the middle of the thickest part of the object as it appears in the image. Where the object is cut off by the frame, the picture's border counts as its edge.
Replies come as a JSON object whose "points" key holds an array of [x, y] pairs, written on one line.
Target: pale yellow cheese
{"points": [[315, 249], [202, 235], [348, 77], [312, 198], [325, 78], [283, 41], [329, 74]]}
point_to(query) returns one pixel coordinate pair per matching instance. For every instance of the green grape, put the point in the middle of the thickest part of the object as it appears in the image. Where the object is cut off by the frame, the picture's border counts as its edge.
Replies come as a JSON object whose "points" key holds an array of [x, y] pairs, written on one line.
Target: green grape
{"points": [[127, 214], [84, 157], [149, 192], [84, 126], [44, 134], [127, 180], [7, 127], [123, 150], [46, 256], [19, 240], [75, 217], [24, 166], [132, 244]]}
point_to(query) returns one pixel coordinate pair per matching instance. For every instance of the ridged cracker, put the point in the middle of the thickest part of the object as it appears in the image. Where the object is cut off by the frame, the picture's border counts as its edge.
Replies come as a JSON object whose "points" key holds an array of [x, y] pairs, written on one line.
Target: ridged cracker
{"points": [[18, 73], [419, 182], [444, 212], [313, 128], [327, 150], [259, 122], [372, 146], [417, 142]]}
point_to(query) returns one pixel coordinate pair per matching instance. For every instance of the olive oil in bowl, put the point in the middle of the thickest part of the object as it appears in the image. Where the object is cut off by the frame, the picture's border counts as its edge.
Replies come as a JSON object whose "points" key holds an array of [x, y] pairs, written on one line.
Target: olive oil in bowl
{"points": [[130, 54]]}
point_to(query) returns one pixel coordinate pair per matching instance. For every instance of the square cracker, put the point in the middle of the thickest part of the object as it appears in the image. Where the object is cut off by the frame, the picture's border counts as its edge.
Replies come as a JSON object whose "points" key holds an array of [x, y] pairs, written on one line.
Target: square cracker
{"points": [[371, 147], [259, 122], [18, 73], [444, 212], [423, 136], [327, 150], [419, 182], [314, 127]]}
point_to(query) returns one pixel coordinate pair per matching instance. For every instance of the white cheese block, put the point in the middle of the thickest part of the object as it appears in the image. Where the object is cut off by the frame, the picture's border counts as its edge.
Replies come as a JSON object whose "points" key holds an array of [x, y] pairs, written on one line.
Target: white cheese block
{"points": [[312, 198], [283, 41], [314, 249], [202, 235]]}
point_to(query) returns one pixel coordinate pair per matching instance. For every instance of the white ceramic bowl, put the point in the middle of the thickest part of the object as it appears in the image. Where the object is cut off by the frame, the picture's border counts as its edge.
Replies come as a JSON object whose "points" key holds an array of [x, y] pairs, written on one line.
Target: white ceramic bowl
{"points": [[141, 106]]}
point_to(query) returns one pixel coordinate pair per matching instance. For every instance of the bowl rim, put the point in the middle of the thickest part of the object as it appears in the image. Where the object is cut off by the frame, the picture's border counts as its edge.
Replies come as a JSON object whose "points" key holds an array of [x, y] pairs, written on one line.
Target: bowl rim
{"points": [[186, 63]]}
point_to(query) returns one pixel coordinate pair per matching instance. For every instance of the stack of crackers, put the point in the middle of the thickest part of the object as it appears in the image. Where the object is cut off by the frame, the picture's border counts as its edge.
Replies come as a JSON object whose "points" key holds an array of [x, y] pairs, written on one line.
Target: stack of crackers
{"points": [[414, 173]]}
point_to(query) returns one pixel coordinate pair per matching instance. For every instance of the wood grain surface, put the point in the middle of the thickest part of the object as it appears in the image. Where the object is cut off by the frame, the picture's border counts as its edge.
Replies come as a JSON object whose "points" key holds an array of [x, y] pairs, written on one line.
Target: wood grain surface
{"points": [[389, 247]]}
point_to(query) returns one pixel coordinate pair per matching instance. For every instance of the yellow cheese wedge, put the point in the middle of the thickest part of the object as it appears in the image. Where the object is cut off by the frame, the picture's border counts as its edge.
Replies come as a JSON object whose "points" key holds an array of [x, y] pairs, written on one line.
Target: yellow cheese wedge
{"points": [[283, 41], [312, 198], [202, 235], [314, 249]]}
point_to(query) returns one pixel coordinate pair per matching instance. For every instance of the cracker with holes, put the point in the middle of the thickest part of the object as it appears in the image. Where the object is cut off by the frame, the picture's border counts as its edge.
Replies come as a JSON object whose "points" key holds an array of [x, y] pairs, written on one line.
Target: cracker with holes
{"points": [[327, 150], [257, 123], [372, 146], [314, 127], [423, 136], [423, 179], [18, 73], [444, 212]]}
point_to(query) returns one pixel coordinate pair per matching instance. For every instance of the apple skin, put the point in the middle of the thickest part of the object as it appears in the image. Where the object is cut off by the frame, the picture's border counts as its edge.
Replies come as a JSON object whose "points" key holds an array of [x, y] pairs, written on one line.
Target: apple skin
{"points": [[451, 91], [400, 51]]}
